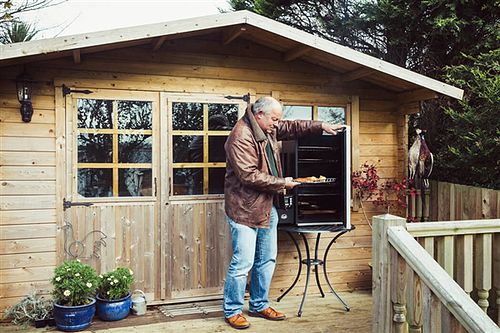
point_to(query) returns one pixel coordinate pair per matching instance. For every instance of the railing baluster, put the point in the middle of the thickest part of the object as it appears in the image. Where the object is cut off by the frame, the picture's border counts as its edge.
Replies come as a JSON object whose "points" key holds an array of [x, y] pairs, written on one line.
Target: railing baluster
{"points": [[496, 272], [435, 317], [429, 245], [399, 276], [464, 258], [414, 303], [446, 253], [483, 272], [427, 199]]}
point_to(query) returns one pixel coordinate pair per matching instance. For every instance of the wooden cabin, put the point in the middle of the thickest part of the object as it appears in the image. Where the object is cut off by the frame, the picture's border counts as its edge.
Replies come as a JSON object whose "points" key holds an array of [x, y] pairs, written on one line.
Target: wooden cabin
{"points": [[104, 171]]}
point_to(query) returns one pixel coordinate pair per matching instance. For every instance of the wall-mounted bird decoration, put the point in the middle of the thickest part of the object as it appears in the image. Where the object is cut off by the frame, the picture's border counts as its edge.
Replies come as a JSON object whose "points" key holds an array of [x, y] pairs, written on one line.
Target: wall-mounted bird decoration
{"points": [[420, 159]]}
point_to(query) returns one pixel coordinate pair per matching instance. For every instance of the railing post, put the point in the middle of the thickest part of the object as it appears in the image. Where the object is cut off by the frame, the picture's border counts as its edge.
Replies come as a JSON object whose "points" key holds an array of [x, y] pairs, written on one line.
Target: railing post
{"points": [[381, 278]]}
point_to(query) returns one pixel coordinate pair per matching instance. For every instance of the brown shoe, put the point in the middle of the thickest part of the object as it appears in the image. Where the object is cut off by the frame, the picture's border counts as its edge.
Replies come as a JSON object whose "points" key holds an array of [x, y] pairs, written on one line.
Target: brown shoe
{"points": [[268, 313], [238, 321]]}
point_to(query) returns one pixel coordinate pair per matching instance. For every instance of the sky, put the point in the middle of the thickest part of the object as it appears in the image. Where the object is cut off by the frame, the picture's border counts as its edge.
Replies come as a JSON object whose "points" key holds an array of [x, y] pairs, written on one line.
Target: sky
{"points": [[80, 16]]}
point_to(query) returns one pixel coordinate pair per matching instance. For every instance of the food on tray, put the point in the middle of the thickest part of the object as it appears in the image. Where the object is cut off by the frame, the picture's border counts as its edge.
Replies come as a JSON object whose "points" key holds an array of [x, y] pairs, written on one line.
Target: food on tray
{"points": [[311, 179]]}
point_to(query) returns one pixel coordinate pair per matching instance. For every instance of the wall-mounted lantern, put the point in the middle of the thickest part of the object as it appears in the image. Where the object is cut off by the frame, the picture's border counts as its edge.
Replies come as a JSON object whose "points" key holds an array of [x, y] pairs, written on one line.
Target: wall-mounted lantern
{"points": [[24, 91]]}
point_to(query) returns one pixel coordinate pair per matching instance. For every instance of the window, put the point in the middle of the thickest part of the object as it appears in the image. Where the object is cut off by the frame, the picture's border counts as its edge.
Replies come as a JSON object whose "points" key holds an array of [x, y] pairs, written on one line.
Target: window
{"points": [[330, 114], [114, 148], [294, 112], [199, 131]]}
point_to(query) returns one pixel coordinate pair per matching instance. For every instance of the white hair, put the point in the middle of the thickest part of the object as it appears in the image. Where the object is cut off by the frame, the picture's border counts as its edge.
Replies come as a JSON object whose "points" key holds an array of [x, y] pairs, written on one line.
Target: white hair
{"points": [[265, 104]]}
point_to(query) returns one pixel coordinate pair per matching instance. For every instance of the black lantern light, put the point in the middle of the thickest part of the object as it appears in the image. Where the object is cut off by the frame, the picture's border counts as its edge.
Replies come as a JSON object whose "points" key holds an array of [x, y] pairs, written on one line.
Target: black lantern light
{"points": [[24, 90]]}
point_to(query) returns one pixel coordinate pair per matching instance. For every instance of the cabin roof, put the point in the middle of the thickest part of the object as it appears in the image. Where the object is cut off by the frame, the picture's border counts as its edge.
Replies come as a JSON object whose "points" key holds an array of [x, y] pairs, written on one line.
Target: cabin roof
{"points": [[293, 43]]}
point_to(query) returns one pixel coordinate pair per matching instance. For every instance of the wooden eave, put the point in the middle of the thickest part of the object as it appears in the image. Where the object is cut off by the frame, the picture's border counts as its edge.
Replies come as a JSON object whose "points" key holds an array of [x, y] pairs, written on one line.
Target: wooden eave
{"points": [[293, 43]]}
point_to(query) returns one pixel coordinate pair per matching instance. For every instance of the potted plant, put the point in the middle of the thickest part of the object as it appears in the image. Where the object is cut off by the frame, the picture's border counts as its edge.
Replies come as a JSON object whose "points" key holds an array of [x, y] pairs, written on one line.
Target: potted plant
{"points": [[74, 284], [31, 309], [114, 297]]}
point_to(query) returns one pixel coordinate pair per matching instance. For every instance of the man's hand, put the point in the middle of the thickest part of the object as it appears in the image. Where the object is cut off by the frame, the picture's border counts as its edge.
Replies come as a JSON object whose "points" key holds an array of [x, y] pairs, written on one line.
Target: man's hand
{"points": [[332, 128], [289, 183]]}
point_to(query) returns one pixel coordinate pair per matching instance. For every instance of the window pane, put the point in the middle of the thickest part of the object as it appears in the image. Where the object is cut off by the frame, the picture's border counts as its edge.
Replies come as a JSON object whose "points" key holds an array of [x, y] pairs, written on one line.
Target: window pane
{"points": [[95, 182], [216, 180], [135, 115], [222, 116], [188, 148], [216, 152], [94, 113], [188, 181], [293, 112], [94, 148], [135, 148], [187, 116], [331, 114], [134, 182]]}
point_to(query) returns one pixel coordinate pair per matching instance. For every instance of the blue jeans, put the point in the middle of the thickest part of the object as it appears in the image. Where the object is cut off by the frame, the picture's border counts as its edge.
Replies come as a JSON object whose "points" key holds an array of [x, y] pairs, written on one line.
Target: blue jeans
{"points": [[256, 249]]}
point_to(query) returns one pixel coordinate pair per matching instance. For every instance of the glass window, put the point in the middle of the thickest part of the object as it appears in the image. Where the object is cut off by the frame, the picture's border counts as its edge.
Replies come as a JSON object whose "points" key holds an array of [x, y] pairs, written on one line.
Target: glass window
{"points": [[332, 114], [114, 158], [199, 133], [187, 116], [294, 112], [95, 113]]}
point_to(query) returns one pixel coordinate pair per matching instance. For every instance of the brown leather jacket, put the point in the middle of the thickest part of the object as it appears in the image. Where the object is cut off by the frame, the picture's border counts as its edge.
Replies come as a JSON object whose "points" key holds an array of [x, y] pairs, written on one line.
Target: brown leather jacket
{"points": [[249, 188]]}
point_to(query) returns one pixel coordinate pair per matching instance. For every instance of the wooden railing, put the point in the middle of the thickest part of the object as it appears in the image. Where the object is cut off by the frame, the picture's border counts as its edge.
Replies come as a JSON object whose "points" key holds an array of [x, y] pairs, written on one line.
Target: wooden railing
{"points": [[412, 292]]}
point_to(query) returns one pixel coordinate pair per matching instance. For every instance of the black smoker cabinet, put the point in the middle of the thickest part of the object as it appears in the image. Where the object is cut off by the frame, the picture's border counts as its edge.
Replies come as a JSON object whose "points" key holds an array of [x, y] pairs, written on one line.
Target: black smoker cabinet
{"points": [[321, 203]]}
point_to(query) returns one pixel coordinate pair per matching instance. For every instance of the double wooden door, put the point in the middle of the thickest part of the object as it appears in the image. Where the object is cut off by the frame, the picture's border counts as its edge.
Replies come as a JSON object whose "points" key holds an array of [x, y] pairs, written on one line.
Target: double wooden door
{"points": [[133, 203]]}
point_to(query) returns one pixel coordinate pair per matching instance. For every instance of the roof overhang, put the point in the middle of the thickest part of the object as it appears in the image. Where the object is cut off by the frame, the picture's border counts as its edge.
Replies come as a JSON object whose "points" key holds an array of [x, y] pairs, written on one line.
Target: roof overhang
{"points": [[160, 31]]}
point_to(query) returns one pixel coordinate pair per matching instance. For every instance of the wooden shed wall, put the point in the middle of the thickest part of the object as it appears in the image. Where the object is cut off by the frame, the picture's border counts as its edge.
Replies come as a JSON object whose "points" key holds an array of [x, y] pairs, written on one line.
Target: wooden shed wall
{"points": [[28, 249]]}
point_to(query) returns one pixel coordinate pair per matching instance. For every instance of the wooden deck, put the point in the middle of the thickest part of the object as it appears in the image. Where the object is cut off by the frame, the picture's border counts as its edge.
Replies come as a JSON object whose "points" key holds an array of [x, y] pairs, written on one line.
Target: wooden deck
{"points": [[319, 315]]}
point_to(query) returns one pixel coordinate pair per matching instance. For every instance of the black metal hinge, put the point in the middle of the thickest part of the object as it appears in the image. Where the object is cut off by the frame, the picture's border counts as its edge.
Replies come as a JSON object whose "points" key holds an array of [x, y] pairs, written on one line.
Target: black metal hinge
{"points": [[246, 97], [66, 90], [68, 204]]}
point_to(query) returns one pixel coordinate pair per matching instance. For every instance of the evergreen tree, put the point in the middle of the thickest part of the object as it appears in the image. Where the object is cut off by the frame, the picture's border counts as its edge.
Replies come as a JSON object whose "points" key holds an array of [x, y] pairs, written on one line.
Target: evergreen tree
{"points": [[451, 40]]}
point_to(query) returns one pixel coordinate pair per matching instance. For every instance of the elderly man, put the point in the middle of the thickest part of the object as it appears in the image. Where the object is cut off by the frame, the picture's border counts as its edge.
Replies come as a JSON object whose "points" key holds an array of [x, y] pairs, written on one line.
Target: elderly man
{"points": [[253, 178]]}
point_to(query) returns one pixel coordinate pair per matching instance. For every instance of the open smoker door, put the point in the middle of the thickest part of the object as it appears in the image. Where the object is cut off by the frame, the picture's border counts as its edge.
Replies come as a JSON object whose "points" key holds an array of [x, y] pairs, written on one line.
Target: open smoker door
{"points": [[322, 202]]}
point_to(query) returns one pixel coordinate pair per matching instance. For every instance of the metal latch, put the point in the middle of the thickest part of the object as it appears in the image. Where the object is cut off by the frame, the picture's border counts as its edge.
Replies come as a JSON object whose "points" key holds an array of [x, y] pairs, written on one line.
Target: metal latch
{"points": [[68, 204]]}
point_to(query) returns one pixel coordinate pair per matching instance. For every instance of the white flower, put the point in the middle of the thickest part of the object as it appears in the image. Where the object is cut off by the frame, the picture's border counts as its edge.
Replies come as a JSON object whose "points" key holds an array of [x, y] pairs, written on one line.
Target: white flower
{"points": [[58, 278], [109, 279], [112, 276], [107, 292], [131, 271], [78, 260], [68, 269], [112, 283], [67, 293], [89, 285], [77, 274], [100, 276], [115, 281]]}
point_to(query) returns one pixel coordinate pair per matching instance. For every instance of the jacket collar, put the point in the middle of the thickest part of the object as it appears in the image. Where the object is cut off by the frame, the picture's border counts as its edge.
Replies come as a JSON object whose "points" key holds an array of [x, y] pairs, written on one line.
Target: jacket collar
{"points": [[257, 131]]}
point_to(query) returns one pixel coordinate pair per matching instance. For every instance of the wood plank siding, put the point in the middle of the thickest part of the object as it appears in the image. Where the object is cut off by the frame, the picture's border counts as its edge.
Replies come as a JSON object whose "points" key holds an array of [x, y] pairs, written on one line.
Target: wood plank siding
{"points": [[31, 233]]}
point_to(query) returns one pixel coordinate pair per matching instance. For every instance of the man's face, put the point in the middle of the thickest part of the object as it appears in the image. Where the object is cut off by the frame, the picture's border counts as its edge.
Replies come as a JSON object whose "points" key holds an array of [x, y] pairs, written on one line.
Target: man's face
{"points": [[268, 122]]}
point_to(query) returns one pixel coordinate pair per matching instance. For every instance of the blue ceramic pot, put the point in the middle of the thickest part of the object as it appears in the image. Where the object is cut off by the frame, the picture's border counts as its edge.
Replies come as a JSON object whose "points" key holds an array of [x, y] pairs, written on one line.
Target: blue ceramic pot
{"points": [[110, 310], [74, 318]]}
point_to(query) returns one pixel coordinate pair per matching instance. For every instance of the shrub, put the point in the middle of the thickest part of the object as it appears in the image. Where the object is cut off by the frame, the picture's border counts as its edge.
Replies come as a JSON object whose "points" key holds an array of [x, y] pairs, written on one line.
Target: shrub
{"points": [[74, 282], [115, 284], [30, 308]]}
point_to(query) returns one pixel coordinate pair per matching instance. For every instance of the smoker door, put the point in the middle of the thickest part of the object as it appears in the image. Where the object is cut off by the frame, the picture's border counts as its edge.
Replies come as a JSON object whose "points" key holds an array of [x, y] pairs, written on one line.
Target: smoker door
{"points": [[323, 203]]}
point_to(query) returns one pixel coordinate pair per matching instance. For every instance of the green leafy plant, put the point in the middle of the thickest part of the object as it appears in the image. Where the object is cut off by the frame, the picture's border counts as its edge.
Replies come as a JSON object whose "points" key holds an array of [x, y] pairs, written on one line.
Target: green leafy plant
{"points": [[74, 283], [30, 308], [115, 284]]}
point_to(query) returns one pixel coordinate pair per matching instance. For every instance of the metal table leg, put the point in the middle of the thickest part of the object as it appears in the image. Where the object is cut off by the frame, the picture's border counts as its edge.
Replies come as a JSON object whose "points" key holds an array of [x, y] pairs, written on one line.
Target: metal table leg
{"points": [[317, 262], [300, 267], [346, 307], [308, 264]]}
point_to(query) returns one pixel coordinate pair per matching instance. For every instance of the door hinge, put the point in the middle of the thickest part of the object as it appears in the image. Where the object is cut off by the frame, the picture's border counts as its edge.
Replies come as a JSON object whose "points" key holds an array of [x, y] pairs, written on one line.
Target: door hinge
{"points": [[156, 188], [68, 204], [245, 98], [169, 186], [67, 90]]}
